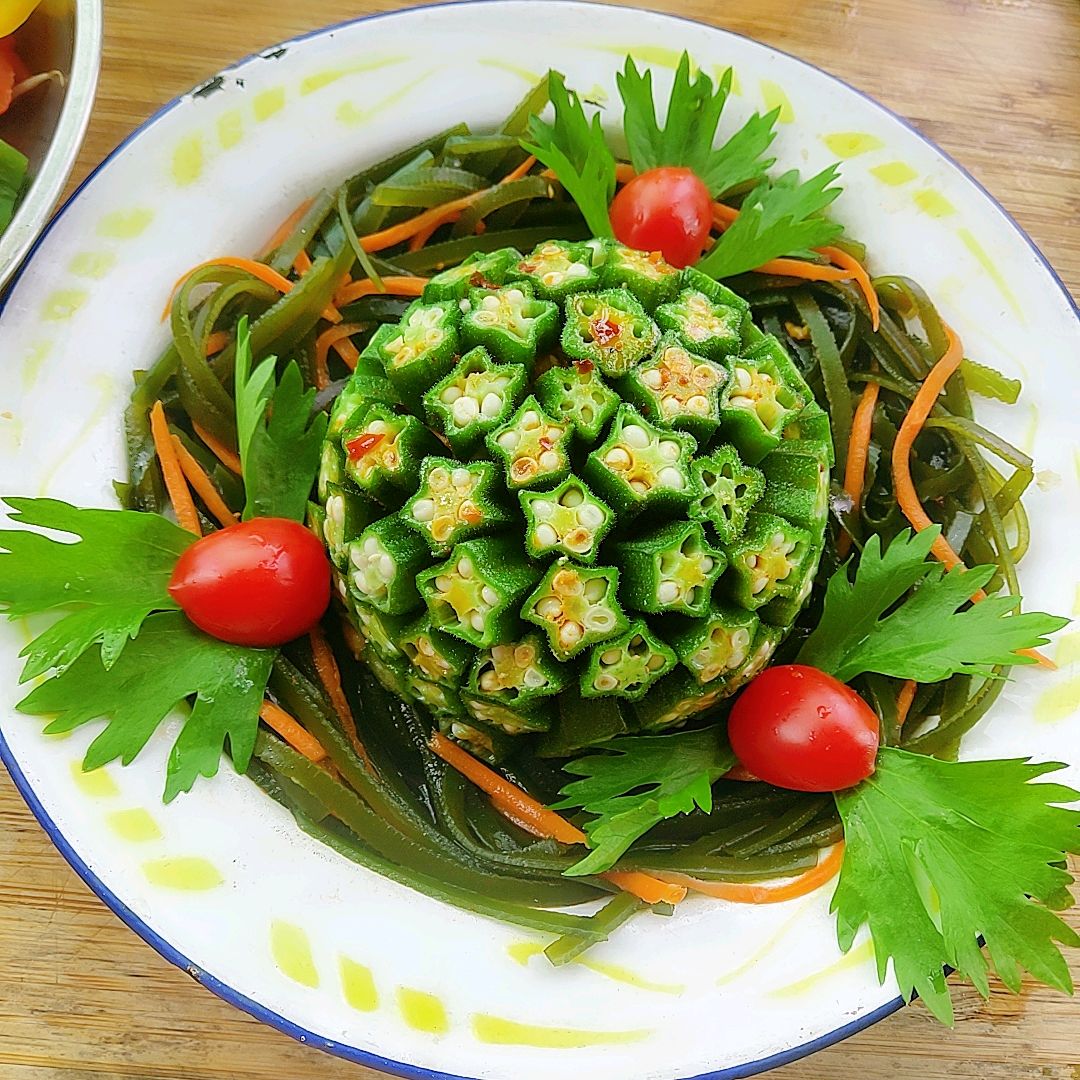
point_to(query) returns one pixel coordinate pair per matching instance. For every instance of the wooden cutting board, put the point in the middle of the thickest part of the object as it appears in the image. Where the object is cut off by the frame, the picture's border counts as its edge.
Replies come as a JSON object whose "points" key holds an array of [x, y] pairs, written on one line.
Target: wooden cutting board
{"points": [[994, 82]]}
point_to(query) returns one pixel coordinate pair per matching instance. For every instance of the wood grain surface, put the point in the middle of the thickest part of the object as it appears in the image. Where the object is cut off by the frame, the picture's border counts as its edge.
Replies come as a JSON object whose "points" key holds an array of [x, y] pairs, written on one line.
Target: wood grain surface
{"points": [[994, 82]]}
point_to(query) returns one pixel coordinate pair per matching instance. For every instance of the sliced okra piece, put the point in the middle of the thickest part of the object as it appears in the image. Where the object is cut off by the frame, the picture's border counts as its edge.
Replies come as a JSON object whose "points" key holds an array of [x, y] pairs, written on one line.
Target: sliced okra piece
{"points": [[331, 468], [646, 274], [670, 569], [533, 448], [439, 700], [315, 519], [674, 700], [519, 673], [701, 324], [511, 323], [348, 514], [479, 271], [581, 723], [380, 630], [729, 490], [568, 520], [578, 396], [423, 349], [609, 329], [437, 657], [716, 291], [481, 740], [358, 394], [758, 402], [767, 561], [391, 673], [383, 563], [576, 607], [474, 399], [767, 640], [770, 348], [812, 425], [677, 389], [797, 483], [628, 665], [716, 645], [555, 269], [508, 719], [784, 610], [476, 593], [642, 467], [383, 454], [454, 502], [372, 359]]}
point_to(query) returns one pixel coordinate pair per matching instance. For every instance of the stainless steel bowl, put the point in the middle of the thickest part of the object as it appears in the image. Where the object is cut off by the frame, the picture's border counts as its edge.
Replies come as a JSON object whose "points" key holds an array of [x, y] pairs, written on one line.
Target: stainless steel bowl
{"points": [[49, 124]]}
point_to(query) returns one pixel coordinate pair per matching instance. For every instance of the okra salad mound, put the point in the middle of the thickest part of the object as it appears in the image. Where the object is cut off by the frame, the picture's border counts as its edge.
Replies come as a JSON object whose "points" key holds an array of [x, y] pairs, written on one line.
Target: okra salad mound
{"points": [[543, 528]]}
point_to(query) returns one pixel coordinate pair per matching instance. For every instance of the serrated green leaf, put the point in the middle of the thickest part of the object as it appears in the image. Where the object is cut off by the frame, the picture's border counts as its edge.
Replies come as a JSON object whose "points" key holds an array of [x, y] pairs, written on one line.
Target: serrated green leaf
{"points": [[940, 853]]}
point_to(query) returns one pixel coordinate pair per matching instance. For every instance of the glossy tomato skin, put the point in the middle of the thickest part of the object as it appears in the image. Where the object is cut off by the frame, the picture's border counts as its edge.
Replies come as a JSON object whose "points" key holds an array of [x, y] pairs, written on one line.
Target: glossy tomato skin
{"points": [[796, 727], [260, 582], [667, 210]]}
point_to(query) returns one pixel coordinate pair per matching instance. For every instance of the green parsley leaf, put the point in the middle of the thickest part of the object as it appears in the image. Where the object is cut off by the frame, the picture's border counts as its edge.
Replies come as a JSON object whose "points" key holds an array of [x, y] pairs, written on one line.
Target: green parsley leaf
{"points": [[119, 568], [576, 150], [776, 219], [677, 772], [280, 441], [168, 661], [939, 853], [693, 116], [927, 638]]}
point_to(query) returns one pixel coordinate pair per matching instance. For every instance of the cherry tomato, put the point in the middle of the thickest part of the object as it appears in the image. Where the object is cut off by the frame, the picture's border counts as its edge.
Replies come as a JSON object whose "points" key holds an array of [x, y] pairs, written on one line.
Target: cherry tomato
{"points": [[796, 727], [667, 210], [261, 582]]}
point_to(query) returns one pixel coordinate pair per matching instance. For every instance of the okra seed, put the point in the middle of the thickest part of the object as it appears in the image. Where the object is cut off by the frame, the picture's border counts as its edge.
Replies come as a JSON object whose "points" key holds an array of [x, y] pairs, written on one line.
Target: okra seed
{"points": [[489, 681], [652, 378], [759, 583], [461, 478], [515, 296], [605, 681], [424, 510], [508, 440], [524, 655], [549, 607], [572, 497], [442, 583], [442, 527], [611, 656], [387, 567], [751, 562], [669, 450], [699, 404], [671, 478], [377, 427], [591, 517], [668, 592], [635, 436], [465, 410], [490, 405], [464, 306], [655, 663], [577, 270], [706, 564], [533, 678], [594, 590], [578, 540], [490, 596], [743, 378], [438, 479], [570, 633], [552, 278], [530, 420], [546, 536], [465, 567], [600, 619], [549, 460], [490, 303], [639, 486], [543, 509], [424, 646], [476, 620], [617, 458], [450, 394], [371, 546], [567, 583]]}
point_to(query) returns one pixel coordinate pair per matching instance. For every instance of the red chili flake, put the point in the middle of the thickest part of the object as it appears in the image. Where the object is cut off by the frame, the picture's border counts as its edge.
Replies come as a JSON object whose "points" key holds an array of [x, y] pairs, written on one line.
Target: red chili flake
{"points": [[478, 281], [526, 267], [604, 331], [545, 442], [585, 366], [362, 444]]}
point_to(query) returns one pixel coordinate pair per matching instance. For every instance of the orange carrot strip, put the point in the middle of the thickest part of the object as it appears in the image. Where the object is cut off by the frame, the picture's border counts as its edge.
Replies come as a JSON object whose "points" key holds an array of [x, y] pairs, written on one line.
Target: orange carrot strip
{"points": [[302, 263], [723, 215], [203, 485], [653, 890], [299, 738], [858, 453], [217, 341], [335, 337], [330, 676], [282, 232], [405, 230], [841, 258], [392, 286], [520, 171], [624, 172], [904, 700], [509, 811], [425, 234], [226, 456], [744, 893], [808, 271], [179, 493]]}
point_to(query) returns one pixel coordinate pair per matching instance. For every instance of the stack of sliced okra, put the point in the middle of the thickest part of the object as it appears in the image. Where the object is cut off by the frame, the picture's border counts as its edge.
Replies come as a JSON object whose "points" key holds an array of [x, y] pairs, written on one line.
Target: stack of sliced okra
{"points": [[572, 493]]}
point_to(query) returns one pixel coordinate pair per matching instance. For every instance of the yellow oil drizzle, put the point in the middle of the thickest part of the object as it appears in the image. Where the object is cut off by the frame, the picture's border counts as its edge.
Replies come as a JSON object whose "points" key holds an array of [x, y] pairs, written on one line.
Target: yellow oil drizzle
{"points": [[764, 949], [353, 115], [125, 224], [63, 303], [931, 201], [523, 951], [969, 241], [291, 950], [230, 129], [858, 956], [894, 173], [358, 985], [502, 1032], [184, 873], [1068, 650], [720, 70], [776, 98], [646, 54], [11, 431], [1058, 702], [1027, 440], [421, 1011], [32, 361], [849, 144], [188, 160], [531, 77], [92, 264], [106, 389], [98, 784], [268, 102], [136, 826], [317, 80]]}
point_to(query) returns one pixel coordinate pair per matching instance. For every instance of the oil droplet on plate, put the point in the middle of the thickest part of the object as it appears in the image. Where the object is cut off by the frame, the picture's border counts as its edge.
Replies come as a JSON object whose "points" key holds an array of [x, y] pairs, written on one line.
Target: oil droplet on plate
{"points": [[291, 950], [269, 102], [136, 826], [188, 160], [424, 1012], [894, 173], [98, 784], [358, 985], [499, 1031], [775, 98], [125, 224], [849, 144], [183, 873], [63, 303]]}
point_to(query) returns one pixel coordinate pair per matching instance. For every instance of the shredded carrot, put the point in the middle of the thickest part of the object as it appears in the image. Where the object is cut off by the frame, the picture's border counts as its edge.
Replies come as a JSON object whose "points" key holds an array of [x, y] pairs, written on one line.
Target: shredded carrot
{"points": [[723, 215], [424, 235], [337, 338], [405, 230], [203, 485], [330, 676], [302, 263], [746, 893], [652, 890], [226, 456], [298, 737], [904, 700], [284, 230], [741, 772], [510, 812], [858, 453], [179, 493], [841, 258], [624, 172], [391, 286], [799, 268], [520, 171], [217, 341]]}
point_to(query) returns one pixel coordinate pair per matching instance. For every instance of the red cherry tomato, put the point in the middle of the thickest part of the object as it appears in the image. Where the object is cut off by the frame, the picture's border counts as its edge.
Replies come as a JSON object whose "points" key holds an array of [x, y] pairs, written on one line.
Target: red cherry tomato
{"points": [[261, 582], [796, 727], [667, 210]]}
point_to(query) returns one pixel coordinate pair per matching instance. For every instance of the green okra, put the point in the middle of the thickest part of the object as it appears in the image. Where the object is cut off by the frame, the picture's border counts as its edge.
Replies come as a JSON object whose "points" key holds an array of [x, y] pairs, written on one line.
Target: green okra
{"points": [[315, 519], [383, 453], [716, 291], [728, 491], [424, 348], [568, 520], [439, 700], [628, 665], [331, 467], [383, 563], [512, 324], [797, 483], [518, 673], [482, 740], [645, 274], [454, 502], [769, 347], [437, 657], [577, 395], [391, 672], [674, 700], [508, 719], [379, 630], [576, 607], [766, 641], [757, 403], [358, 394], [609, 329], [717, 645], [642, 467], [767, 561], [475, 594], [555, 269], [701, 324], [784, 610], [475, 398], [580, 723], [672, 568], [482, 270], [812, 425], [347, 515], [533, 448], [677, 389]]}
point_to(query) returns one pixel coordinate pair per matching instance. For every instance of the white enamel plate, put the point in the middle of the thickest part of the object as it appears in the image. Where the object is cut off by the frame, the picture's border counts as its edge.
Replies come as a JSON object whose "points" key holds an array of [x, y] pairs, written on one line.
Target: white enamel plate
{"points": [[220, 881]]}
